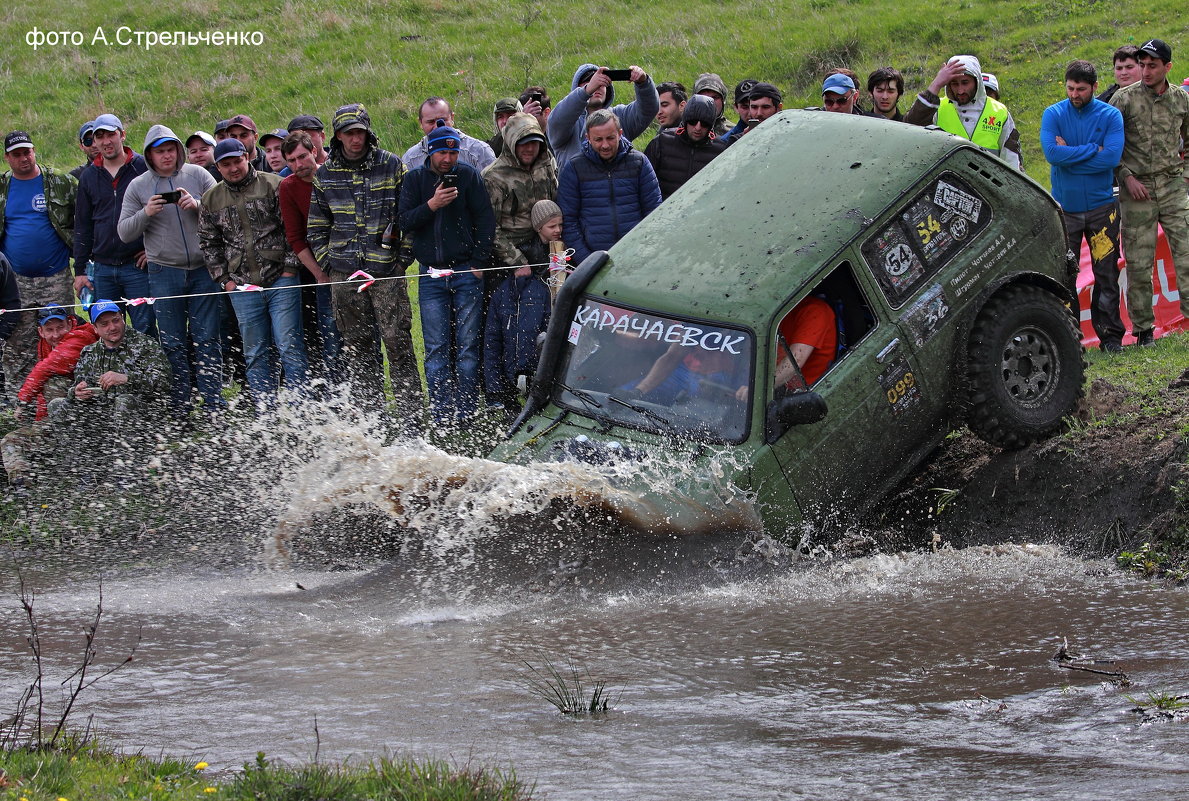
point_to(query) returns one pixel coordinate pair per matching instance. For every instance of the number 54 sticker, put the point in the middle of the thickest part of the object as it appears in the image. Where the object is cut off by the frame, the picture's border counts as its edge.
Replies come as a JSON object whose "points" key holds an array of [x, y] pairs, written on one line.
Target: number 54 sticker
{"points": [[928, 228]]}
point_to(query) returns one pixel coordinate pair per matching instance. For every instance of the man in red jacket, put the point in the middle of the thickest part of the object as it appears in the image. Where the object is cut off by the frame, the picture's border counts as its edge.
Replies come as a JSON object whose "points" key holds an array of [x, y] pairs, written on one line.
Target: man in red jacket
{"points": [[61, 338]]}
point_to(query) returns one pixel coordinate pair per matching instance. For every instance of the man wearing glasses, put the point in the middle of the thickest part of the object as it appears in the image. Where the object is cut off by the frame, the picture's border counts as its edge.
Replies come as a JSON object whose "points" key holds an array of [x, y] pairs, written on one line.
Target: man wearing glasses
{"points": [[678, 155]]}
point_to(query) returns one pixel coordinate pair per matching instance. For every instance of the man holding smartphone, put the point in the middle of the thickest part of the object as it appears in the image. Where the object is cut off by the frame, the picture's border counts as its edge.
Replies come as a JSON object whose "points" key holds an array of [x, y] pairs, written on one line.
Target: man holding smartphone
{"points": [[445, 208], [592, 90]]}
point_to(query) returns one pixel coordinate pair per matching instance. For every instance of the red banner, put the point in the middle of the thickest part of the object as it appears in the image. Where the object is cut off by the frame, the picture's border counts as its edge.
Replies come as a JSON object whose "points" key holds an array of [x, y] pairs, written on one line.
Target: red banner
{"points": [[1166, 301]]}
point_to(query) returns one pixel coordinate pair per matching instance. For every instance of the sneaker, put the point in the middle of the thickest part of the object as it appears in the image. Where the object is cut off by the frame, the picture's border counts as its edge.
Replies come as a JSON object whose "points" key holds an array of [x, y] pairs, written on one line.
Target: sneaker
{"points": [[1111, 347], [1144, 339]]}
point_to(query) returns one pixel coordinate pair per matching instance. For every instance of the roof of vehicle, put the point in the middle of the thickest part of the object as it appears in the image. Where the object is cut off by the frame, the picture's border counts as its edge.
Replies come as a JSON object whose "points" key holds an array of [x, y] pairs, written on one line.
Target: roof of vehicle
{"points": [[749, 228]]}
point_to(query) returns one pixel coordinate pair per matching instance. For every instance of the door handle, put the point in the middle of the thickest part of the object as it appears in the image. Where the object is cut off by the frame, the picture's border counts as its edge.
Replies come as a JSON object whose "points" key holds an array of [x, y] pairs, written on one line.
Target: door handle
{"points": [[888, 350]]}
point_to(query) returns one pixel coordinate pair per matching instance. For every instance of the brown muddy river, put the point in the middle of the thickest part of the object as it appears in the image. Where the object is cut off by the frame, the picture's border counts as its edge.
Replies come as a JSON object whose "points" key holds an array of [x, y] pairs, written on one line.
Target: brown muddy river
{"points": [[914, 676]]}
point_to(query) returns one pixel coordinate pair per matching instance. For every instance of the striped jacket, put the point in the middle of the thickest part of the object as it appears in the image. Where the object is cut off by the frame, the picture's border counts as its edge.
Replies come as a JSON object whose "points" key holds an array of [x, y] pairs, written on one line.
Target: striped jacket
{"points": [[349, 210]]}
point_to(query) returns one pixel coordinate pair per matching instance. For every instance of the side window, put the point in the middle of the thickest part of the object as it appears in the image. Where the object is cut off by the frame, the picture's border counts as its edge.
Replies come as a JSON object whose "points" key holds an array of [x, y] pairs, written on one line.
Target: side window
{"points": [[925, 236], [821, 330]]}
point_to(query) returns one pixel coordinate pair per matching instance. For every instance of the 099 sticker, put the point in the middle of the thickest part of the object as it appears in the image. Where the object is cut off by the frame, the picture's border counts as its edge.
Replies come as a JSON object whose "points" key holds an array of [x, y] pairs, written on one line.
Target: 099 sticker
{"points": [[899, 383]]}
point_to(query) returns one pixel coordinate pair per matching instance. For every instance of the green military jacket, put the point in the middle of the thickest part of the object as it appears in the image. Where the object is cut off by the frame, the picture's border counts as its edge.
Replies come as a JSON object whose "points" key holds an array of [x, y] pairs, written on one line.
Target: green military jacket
{"points": [[514, 188], [139, 357], [241, 233], [60, 190], [1154, 126]]}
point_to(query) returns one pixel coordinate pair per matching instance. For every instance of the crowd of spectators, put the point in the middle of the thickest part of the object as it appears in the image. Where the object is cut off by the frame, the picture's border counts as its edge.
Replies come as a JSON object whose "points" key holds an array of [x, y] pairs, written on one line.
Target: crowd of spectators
{"points": [[279, 258]]}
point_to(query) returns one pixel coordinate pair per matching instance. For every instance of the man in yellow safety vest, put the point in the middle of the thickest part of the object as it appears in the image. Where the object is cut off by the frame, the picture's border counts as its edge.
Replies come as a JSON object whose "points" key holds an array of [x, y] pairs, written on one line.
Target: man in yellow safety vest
{"points": [[965, 109]]}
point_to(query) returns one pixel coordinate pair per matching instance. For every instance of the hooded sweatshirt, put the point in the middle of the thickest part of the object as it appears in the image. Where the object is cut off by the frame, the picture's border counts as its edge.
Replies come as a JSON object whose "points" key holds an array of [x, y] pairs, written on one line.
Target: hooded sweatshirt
{"points": [[514, 188], [171, 235], [567, 121], [711, 81], [925, 107]]}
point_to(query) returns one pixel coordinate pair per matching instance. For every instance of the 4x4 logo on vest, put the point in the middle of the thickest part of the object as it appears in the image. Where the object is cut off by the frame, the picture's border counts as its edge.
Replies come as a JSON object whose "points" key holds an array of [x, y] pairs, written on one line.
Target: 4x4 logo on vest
{"points": [[991, 124]]}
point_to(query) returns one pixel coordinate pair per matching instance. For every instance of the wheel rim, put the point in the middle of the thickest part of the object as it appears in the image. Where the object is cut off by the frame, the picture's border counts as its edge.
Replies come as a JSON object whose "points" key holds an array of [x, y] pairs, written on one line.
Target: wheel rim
{"points": [[1030, 367]]}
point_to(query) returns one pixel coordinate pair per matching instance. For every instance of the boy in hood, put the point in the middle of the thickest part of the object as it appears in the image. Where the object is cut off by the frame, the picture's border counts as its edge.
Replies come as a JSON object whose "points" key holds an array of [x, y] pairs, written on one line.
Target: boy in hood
{"points": [[592, 90], [956, 101]]}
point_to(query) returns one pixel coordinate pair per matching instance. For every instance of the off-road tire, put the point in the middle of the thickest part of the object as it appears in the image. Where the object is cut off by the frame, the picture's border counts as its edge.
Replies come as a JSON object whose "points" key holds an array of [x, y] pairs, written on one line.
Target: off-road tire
{"points": [[1025, 369]]}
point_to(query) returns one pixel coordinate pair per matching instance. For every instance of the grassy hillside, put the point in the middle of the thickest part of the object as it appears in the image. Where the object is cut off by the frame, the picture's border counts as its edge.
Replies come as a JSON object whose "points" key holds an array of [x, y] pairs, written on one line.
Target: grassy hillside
{"points": [[391, 55]]}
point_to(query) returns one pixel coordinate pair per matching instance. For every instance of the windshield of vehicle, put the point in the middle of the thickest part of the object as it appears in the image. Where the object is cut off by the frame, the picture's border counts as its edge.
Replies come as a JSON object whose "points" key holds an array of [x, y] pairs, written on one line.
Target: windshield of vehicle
{"points": [[647, 370]]}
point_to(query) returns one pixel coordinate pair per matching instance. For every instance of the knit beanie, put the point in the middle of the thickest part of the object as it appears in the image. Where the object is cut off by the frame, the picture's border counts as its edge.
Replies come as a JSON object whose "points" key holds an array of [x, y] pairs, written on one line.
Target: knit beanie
{"points": [[443, 139], [544, 211], [701, 108]]}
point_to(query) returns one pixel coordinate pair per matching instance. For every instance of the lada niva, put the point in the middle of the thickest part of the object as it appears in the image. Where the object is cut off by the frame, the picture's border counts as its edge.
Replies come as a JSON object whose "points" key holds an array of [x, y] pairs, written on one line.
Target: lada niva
{"points": [[950, 286]]}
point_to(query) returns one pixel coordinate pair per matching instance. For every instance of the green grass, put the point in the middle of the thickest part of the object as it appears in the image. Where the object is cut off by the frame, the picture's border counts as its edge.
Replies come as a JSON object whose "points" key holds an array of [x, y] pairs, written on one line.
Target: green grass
{"points": [[95, 773], [392, 55]]}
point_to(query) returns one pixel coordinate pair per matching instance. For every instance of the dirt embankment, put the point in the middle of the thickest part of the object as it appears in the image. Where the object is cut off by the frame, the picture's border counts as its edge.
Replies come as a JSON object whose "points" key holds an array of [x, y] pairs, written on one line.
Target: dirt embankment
{"points": [[1117, 479]]}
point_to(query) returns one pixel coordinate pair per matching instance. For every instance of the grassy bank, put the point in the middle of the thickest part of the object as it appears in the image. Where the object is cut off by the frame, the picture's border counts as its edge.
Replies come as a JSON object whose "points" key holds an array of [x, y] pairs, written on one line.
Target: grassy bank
{"points": [[391, 55], [94, 773]]}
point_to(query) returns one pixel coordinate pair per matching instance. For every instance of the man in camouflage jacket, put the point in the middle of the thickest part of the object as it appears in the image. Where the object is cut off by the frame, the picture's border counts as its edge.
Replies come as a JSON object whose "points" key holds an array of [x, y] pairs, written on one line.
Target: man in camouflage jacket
{"points": [[124, 372], [355, 198], [1151, 181], [524, 173]]}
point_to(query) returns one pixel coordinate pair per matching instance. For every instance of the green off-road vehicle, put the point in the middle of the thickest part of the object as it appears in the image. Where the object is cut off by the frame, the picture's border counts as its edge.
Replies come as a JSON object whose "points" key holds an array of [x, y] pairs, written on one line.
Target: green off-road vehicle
{"points": [[947, 274]]}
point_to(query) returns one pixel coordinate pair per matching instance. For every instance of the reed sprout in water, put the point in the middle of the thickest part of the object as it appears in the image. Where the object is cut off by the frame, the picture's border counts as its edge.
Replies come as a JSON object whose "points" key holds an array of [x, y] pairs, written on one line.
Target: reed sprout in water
{"points": [[570, 688]]}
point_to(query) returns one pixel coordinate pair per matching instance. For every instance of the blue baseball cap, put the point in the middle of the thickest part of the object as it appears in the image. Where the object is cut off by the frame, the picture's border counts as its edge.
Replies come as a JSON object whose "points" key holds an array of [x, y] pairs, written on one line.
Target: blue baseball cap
{"points": [[229, 148], [108, 122], [101, 307], [53, 312], [86, 128], [839, 84]]}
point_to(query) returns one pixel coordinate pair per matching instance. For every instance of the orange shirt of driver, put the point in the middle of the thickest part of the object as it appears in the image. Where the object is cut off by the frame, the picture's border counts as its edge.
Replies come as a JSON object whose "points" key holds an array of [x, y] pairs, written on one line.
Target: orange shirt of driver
{"points": [[811, 322]]}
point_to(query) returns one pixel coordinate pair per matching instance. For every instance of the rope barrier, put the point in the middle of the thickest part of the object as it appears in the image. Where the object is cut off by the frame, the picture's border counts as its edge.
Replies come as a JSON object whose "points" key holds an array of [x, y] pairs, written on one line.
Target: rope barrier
{"points": [[363, 279]]}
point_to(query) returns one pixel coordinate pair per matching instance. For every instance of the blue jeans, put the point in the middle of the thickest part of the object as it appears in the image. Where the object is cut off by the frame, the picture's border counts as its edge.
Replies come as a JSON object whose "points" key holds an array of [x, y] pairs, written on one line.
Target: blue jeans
{"points": [[182, 320], [451, 320], [113, 282], [267, 318]]}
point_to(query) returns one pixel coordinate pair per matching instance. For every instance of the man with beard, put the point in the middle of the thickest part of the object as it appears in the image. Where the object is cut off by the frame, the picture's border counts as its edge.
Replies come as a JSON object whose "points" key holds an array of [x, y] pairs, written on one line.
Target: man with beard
{"points": [[956, 101], [1082, 139]]}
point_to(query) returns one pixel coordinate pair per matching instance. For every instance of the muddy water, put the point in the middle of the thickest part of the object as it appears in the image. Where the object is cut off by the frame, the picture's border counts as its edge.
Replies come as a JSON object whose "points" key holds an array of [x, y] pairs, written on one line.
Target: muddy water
{"points": [[888, 677]]}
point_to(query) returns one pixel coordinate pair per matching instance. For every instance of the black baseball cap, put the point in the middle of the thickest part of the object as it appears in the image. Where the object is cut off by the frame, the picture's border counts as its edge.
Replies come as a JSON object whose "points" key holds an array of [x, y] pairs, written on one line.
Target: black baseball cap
{"points": [[16, 140], [743, 89], [1157, 49], [306, 122]]}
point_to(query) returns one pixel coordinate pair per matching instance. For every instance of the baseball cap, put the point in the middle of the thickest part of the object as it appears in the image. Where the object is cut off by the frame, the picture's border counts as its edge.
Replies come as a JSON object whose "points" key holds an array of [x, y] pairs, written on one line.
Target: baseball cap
{"points": [[743, 89], [990, 81], [766, 90], [108, 122], [350, 117], [221, 126], [242, 120], [1157, 49], [838, 84], [101, 307], [279, 133], [86, 128], [53, 311], [306, 122], [228, 148], [203, 135], [16, 140]]}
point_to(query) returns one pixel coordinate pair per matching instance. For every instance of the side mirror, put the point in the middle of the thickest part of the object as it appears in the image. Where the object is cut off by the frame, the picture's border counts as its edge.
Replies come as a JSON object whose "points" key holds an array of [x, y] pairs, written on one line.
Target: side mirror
{"points": [[797, 409]]}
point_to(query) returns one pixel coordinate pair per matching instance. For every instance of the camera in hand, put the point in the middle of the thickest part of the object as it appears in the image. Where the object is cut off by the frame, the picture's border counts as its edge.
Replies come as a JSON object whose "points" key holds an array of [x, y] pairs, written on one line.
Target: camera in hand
{"points": [[171, 197], [450, 180], [619, 75]]}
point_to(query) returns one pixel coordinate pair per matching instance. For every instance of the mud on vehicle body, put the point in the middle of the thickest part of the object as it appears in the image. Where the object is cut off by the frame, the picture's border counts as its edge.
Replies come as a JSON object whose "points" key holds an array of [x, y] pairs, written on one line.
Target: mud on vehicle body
{"points": [[948, 277]]}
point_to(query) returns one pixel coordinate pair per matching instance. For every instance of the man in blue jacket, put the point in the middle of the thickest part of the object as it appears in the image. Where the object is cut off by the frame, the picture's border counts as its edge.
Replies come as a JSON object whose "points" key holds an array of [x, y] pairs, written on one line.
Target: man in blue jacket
{"points": [[445, 209], [606, 190], [591, 91], [1082, 139]]}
